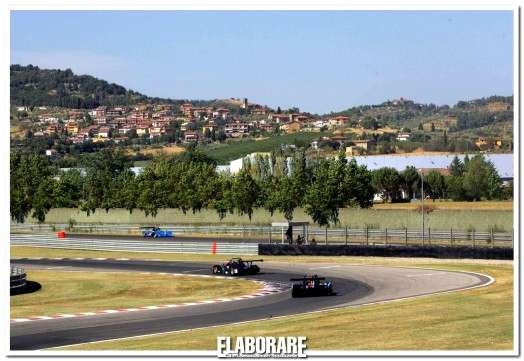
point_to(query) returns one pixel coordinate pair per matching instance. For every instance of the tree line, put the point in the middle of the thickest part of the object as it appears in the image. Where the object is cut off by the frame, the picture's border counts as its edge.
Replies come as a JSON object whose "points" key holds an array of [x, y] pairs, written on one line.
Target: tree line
{"points": [[473, 179], [190, 182]]}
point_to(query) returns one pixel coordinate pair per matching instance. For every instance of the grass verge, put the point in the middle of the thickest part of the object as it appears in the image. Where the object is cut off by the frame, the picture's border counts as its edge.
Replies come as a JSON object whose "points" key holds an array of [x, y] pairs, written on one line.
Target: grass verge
{"points": [[73, 292]]}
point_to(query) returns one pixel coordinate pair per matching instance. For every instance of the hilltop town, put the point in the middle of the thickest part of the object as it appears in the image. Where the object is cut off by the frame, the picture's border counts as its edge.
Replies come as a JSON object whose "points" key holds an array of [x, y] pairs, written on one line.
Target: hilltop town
{"points": [[57, 127]]}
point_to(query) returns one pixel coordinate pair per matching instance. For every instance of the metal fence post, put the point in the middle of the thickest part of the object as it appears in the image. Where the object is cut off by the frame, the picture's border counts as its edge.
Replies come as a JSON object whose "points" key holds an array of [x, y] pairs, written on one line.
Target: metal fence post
{"points": [[270, 234], [473, 237], [492, 239], [429, 235], [346, 234], [386, 234], [367, 236], [451, 235], [406, 229], [326, 237]]}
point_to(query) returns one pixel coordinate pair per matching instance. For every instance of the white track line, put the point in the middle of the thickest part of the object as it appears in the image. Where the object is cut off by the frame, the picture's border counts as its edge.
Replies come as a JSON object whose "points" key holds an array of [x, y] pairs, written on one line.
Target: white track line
{"points": [[325, 267], [422, 275]]}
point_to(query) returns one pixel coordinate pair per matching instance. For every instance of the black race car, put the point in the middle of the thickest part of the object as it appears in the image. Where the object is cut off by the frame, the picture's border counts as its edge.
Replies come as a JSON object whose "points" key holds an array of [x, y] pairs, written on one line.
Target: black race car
{"points": [[237, 267], [308, 286]]}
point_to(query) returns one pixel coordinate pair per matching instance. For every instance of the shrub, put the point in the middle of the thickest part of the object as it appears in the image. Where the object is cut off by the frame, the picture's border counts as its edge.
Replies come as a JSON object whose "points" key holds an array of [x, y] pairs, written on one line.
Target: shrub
{"points": [[71, 224]]}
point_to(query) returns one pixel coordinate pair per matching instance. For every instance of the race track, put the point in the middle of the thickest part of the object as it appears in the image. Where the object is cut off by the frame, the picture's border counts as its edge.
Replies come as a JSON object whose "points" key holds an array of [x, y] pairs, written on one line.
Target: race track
{"points": [[177, 238], [355, 285]]}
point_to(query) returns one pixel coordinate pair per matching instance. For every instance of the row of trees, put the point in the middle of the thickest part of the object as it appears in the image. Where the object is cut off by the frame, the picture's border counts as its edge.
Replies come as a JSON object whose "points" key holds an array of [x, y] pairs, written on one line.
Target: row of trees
{"points": [[190, 182], [468, 180]]}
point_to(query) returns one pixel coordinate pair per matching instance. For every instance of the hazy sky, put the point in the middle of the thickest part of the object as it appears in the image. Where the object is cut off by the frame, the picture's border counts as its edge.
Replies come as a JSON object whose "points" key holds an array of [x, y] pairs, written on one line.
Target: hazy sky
{"points": [[318, 61]]}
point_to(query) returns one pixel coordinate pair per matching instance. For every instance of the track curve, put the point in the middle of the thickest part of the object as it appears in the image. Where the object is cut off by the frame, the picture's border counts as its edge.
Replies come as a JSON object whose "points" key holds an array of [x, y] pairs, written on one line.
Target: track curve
{"points": [[355, 285]]}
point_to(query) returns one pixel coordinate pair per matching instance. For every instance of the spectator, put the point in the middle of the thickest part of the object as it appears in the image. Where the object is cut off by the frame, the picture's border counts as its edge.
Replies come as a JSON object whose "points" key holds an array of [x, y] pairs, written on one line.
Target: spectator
{"points": [[299, 240], [289, 235]]}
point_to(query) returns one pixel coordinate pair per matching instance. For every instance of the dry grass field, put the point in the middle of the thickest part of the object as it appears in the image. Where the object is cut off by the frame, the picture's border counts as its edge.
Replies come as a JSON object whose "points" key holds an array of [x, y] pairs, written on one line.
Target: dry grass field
{"points": [[482, 205], [86, 291], [167, 150], [480, 216]]}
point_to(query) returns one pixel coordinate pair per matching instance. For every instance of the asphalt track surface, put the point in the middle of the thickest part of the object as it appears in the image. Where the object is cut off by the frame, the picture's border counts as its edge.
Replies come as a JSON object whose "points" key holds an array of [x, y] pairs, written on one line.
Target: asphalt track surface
{"points": [[355, 285], [176, 238]]}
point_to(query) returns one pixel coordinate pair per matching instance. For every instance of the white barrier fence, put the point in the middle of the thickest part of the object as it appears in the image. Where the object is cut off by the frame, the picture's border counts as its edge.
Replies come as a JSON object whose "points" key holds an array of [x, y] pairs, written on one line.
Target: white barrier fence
{"points": [[322, 235], [18, 277], [172, 246]]}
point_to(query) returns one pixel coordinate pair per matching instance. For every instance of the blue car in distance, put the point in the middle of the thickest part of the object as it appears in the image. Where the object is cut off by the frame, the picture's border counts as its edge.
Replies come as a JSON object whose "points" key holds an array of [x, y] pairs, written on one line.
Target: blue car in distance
{"points": [[156, 232]]}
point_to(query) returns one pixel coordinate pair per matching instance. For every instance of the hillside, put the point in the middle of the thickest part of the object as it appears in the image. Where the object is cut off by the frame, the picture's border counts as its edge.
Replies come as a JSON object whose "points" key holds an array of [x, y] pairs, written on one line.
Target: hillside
{"points": [[33, 86], [402, 113]]}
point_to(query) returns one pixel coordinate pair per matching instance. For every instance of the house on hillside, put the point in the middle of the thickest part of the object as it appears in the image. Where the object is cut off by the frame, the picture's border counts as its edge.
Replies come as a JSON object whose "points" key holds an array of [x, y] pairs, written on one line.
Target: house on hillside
{"points": [[237, 129], [259, 111], [72, 128], [339, 121], [279, 118], [142, 130], [156, 131], [124, 130], [266, 127], [403, 137], [187, 109], [291, 127], [104, 132], [88, 132], [359, 147], [367, 144], [498, 106], [191, 136], [221, 113]]}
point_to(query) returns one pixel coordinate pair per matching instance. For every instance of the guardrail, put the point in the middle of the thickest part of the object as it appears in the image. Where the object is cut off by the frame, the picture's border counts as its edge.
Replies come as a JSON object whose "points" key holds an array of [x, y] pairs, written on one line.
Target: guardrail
{"points": [[267, 234], [173, 246], [409, 237], [18, 278]]}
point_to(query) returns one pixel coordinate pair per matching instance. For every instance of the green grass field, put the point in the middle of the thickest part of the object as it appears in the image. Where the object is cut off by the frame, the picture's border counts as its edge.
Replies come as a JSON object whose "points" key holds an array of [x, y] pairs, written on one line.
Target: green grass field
{"points": [[93, 291], [223, 153], [483, 219], [479, 319]]}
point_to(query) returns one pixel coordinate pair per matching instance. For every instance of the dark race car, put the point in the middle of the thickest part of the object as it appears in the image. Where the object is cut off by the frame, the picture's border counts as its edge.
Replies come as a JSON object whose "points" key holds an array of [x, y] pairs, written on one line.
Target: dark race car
{"points": [[237, 267], [156, 232], [311, 286]]}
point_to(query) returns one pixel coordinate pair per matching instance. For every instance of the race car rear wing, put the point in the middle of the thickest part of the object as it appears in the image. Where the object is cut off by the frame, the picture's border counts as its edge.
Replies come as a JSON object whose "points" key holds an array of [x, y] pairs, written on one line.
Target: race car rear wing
{"points": [[307, 279]]}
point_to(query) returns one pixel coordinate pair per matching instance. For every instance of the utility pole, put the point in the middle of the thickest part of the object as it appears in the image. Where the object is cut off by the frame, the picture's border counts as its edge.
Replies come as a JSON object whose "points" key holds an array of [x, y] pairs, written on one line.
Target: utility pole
{"points": [[422, 198]]}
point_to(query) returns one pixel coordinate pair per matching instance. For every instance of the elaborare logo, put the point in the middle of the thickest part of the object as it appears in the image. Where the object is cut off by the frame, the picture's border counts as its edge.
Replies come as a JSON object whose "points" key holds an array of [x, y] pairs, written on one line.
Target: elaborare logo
{"points": [[284, 347]]}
